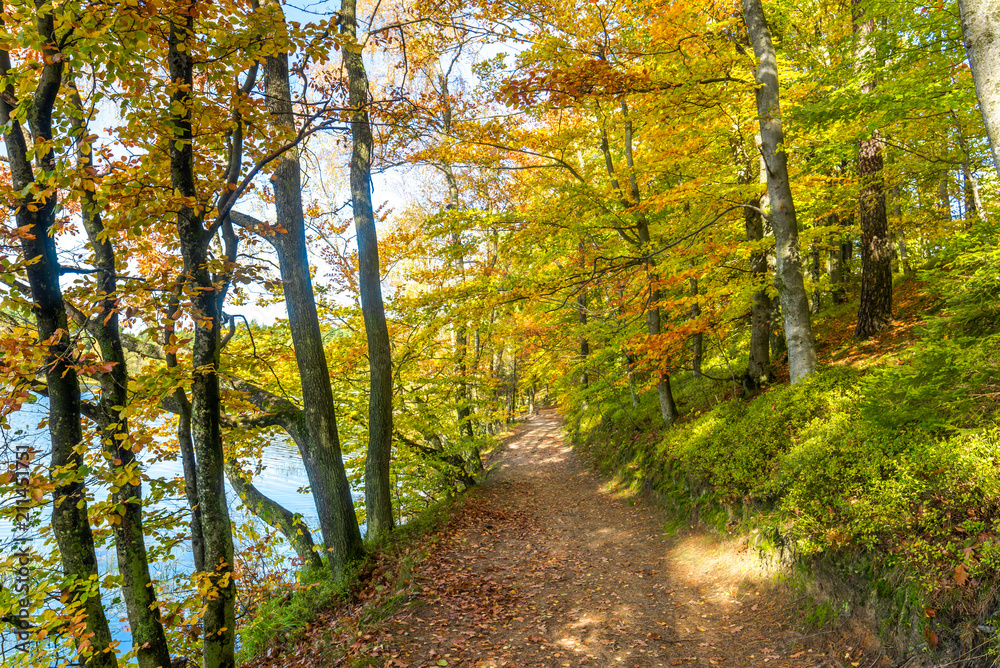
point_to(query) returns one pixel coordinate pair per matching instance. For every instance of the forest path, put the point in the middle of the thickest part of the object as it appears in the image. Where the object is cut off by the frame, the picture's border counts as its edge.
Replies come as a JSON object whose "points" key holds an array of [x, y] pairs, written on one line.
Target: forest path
{"points": [[543, 566]]}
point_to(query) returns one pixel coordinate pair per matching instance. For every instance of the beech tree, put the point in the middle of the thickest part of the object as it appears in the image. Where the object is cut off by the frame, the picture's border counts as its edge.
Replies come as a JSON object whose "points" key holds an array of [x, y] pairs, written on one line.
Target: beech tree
{"points": [[791, 287], [981, 28]]}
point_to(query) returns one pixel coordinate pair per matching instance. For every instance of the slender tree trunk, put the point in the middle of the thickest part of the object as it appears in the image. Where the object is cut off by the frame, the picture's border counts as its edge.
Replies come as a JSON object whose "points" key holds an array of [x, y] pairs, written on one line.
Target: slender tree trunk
{"points": [[973, 202], [664, 392], [378, 497], [320, 442], [904, 256], [751, 171], [629, 362], [184, 440], [791, 287], [36, 216], [581, 309], [696, 338], [981, 31], [463, 410], [219, 620], [945, 198], [816, 275], [133, 562], [835, 263]]}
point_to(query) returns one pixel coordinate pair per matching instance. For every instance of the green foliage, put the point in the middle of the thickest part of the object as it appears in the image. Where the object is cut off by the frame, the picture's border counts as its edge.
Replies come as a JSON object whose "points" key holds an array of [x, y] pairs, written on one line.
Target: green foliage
{"points": [[890, 476]]}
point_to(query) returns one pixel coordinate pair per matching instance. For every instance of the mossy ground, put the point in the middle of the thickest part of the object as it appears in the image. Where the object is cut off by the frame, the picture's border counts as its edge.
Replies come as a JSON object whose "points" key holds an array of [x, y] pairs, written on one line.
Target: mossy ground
{"points": [[879, 475]]}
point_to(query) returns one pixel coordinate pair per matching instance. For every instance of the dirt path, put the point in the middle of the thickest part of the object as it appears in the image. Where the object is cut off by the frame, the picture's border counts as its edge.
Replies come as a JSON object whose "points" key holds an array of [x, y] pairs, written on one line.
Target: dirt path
{"points": [[545, 567]]}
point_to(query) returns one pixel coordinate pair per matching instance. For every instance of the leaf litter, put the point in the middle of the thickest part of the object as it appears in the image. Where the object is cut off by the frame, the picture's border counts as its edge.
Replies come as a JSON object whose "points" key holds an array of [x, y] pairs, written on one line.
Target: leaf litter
{"points": [[544, 566]]}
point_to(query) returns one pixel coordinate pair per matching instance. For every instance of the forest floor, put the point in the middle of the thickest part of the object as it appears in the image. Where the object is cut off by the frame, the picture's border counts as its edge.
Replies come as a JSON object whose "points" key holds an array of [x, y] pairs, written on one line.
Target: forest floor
{"points": [[545, 565]]}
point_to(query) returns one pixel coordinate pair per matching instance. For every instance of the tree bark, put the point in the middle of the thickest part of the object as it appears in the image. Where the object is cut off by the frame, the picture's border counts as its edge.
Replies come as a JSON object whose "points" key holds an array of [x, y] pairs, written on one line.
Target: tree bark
{"points": [[184, 441], [138, 588], [981, 32], [37, 216], [945, 197], [875, 307], [378, 498], [696, 338], [791, 287], [219, 620], [759, 357], [581, 309], [463, 410], [319, 442]]}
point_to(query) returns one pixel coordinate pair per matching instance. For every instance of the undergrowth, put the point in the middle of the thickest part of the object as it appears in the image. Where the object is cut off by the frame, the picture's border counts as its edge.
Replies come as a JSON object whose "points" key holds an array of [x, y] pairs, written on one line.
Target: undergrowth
{"points": [[881, 469], [375, 587]]}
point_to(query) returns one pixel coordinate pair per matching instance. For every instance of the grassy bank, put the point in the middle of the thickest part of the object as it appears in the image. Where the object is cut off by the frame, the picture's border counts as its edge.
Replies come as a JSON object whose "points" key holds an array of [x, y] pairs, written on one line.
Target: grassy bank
{"points": [[879, 475]]}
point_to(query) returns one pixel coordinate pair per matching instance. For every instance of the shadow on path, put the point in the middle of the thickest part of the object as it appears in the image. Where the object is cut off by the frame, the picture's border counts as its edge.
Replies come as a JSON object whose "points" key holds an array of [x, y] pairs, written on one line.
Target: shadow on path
{"points": [[545, 567]]}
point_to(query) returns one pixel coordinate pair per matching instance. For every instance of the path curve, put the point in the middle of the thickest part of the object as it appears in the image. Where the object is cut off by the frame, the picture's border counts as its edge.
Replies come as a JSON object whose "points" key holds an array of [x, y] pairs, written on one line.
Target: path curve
{"points": [[544, 566]]}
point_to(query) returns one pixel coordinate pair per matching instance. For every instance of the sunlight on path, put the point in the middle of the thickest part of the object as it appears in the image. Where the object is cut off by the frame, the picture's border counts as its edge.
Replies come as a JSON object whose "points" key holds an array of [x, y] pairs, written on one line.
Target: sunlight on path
{"points": [[546, 567]]}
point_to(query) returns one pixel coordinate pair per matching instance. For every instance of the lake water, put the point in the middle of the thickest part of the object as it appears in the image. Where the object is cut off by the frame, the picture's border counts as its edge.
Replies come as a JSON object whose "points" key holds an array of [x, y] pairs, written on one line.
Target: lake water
{"points": [[282, 477]]}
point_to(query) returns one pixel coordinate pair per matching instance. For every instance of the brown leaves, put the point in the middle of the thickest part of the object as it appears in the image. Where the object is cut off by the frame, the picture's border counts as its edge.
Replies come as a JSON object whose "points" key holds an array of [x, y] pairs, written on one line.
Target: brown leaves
{"points": [[961, 575]]}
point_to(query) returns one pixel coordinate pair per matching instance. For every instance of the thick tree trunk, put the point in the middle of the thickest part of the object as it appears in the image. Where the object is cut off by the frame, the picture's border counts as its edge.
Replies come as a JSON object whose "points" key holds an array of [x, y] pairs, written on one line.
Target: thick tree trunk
{"points": [[791, 287], [319, 443], [981, 31], [378, 498], [219, 620], [875, 308], [138, 591], [70, 520]]}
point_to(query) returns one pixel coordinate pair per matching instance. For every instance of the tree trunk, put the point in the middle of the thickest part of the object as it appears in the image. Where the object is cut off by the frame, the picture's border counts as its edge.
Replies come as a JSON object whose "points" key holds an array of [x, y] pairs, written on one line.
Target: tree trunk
{"points": [[817, 303], [581, 309], [904, 256], [835, 264], [875, 308], [138, 589], [664, 392], [791, 287], [37, 216], [184, 441], [750, 171], [319, 443], [463, 410], [945, 197], [219, 620], [378, 497], [981, 32], [697, 337], [629, 362]]}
